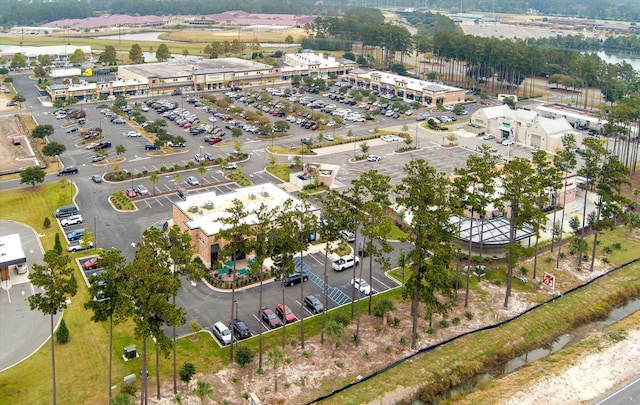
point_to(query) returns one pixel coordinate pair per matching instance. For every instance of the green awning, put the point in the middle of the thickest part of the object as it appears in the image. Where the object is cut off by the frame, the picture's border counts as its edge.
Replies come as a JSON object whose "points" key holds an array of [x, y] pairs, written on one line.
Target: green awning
{"points": [[224, 271]]}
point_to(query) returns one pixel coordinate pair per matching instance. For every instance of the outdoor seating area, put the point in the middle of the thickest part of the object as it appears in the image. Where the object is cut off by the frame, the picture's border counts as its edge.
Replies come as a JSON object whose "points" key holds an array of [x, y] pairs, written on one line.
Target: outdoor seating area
{"points": [[225, 273]]}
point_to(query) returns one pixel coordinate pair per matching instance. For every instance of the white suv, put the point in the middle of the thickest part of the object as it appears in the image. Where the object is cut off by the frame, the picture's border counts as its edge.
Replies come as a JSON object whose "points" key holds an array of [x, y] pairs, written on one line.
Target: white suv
{"points": [[72, 220], [345, 262], [222, 333]]}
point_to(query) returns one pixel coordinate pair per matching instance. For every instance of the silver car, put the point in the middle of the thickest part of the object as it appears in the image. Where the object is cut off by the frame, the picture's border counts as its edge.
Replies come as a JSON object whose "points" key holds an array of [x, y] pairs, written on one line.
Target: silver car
{"points": [[142, 190], [192, 181]]}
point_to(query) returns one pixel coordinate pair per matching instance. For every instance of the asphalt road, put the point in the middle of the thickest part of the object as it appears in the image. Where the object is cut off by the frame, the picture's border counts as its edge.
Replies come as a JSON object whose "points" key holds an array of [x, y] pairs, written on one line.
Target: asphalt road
{"points": [[628, 394]]}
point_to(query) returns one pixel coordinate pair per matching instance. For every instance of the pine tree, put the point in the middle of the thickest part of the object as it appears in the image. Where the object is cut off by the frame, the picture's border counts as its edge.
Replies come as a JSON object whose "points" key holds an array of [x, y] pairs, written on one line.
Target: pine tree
{"points": [[62, 334]]}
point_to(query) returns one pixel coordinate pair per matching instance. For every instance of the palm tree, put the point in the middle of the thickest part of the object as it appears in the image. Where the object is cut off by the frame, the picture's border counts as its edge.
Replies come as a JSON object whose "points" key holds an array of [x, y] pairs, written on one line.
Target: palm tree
{"points": [[275, 357], [176, 179], [334, 331], [203, 390], [154, 179], [201, 170]]}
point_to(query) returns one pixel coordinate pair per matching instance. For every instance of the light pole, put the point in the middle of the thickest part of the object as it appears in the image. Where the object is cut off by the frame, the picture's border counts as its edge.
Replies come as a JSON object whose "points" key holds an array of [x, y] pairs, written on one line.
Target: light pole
{"points": [[354, 149], [235, 302], [403, 259], [95, 231]]}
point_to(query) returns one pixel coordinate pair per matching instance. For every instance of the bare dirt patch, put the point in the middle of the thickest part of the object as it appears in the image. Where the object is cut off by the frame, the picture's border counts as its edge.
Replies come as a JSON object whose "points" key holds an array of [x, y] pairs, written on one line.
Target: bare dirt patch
{"points": [[14, 158]]}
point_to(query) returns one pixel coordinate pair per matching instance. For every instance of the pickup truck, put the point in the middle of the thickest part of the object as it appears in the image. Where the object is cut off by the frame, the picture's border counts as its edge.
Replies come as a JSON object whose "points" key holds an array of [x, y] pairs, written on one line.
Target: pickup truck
{"points": [[345, 262], [102, 145], [76, 245]]}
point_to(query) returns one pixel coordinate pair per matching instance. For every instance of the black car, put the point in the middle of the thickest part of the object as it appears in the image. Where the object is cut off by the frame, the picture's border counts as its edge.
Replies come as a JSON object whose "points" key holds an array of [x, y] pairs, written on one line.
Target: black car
{"points": [[67, 170], [182, 193], [313, 304], [151, 146], [240, 329], [295, 278]]}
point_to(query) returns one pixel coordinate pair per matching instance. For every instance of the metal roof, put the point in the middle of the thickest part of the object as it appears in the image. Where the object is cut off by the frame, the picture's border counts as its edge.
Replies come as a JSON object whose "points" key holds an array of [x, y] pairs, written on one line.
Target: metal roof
{"points": [[495, 231]]}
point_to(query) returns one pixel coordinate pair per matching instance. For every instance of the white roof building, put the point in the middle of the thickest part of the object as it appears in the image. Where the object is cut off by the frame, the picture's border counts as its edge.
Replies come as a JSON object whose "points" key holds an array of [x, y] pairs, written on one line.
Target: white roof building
{"points": [[523, 126], [202, 214]]}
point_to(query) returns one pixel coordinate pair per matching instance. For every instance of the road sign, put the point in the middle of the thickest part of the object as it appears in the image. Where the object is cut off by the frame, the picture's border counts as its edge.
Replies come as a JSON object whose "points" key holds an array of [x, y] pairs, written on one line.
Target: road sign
{"points": [[549, 280]]}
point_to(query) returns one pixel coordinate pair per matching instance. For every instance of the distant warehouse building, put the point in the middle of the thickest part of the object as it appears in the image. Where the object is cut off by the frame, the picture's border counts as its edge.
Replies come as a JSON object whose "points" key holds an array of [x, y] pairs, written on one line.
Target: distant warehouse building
{"points": [[199, 75]]}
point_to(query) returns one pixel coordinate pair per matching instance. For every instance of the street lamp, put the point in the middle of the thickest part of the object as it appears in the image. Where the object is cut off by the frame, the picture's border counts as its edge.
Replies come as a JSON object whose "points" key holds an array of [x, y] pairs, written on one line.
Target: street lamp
{"points": [[403, 259]]}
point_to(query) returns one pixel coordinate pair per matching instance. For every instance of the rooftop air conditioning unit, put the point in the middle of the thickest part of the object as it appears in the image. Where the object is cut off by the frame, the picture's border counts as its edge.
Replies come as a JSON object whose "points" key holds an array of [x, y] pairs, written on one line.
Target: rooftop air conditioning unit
{"points": [[264, 194], [208, 205], [252, 196], [193, 208]]}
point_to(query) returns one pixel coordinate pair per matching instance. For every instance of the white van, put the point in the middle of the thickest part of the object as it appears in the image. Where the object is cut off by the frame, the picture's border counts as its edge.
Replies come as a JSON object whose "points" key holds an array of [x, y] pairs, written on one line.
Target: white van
{"points": [[222, 333]]}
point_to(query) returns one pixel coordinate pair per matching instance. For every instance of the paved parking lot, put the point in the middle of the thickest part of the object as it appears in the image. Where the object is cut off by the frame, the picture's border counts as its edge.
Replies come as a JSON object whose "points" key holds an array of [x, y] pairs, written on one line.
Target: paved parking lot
{"points": [[199, 299]]}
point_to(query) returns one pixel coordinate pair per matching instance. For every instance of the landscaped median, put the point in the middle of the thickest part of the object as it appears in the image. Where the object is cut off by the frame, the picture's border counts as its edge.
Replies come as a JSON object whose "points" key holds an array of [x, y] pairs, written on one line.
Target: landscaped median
{"points": [[448, 365]]}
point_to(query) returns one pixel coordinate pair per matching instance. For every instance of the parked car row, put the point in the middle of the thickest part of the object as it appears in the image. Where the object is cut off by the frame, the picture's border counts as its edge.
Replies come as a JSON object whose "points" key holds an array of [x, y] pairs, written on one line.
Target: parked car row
{"points": [[269, 318]]}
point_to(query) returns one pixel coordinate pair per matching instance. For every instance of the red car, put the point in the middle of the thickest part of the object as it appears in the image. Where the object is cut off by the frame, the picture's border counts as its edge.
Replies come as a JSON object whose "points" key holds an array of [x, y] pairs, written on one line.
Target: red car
{"points": [[214, 140], [131, 193], [270, 318], [91, 263], [285, 313]]}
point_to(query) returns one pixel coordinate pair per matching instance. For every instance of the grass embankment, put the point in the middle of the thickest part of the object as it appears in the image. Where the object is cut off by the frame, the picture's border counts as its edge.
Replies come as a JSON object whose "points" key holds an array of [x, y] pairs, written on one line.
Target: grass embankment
{"points": [[552, 365], [449, 365]]}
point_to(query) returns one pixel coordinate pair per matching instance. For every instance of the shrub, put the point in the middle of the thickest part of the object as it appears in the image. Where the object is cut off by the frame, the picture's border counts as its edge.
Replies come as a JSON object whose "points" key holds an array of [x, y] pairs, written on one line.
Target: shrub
{"points": [[388, 349], [47, 223], [396, 322], [444, 323], [244, 355], [455, 320], [341, 318], [293, 342], [306, 354], [186, 373], [430, 330], [403, 341], [62, 334], [617, 245], [57, 246], [468, 315], [129, 389]]}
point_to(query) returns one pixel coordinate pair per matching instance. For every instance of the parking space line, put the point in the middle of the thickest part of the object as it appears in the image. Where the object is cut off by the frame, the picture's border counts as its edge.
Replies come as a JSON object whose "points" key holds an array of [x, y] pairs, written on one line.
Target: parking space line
{"points": [[383, 284]]}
